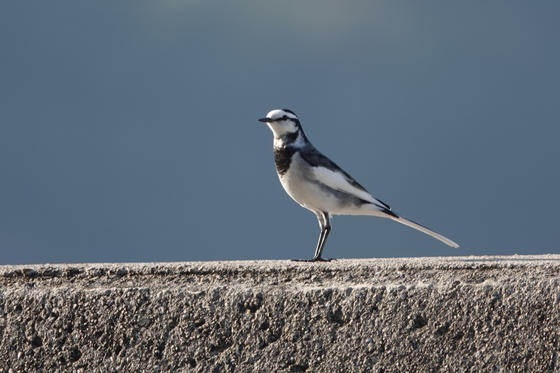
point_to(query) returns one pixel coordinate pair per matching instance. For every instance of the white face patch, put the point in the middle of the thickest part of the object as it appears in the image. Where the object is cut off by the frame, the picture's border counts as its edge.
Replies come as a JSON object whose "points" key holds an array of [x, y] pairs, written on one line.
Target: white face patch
{"points": [[279, 126], [282, 127]]}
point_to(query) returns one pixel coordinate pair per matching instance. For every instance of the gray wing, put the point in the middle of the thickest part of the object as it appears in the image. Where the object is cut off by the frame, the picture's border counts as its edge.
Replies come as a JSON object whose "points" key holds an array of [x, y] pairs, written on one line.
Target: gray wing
{"points": [[345, 183]]}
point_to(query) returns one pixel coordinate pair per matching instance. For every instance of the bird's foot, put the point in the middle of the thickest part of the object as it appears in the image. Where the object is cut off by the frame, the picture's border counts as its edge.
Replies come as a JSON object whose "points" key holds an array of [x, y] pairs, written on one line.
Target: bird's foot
{"points": [[319, 259]]}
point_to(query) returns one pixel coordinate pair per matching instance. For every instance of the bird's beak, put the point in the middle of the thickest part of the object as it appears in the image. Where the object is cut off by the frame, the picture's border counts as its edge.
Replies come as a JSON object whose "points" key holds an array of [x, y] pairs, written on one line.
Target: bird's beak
{"points": [[265, 120]]}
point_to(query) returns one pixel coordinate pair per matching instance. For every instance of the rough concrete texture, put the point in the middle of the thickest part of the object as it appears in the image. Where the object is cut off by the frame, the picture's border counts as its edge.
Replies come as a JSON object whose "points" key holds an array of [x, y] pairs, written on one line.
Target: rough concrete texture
{"points": [[461, 314]]}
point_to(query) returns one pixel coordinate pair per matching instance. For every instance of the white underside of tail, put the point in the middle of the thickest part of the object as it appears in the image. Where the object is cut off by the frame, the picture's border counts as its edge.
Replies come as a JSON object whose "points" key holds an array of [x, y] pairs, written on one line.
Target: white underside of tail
{"points": [[421, 228], [374, 210]]}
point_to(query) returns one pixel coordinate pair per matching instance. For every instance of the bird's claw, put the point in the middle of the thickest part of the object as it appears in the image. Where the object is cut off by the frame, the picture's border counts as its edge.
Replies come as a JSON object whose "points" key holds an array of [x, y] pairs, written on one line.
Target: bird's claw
{"points": [[314, 260]]}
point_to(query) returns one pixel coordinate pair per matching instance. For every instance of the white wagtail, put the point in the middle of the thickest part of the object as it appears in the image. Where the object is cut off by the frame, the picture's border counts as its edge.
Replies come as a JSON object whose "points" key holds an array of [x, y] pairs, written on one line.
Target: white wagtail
{"points": [[319, 185]]}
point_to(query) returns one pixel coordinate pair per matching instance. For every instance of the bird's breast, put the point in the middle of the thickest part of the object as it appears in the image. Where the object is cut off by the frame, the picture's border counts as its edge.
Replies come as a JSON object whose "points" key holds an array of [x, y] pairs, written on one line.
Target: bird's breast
{"points": [[298, 182]]}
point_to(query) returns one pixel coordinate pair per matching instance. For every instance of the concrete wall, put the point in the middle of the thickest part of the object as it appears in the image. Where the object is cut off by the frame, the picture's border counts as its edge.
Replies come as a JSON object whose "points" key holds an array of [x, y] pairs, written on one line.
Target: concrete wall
{"points": [[462, 314]]}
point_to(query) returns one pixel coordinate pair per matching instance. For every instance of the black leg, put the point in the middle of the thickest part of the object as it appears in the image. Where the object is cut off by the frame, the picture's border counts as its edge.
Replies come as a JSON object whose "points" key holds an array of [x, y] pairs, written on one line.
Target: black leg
{"points": [[325, 230], [325, 225]]}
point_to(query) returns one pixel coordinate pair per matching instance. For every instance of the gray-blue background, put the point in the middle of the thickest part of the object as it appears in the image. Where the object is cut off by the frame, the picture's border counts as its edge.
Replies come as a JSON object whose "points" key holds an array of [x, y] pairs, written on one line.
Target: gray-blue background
{"points": [[128, 129]]}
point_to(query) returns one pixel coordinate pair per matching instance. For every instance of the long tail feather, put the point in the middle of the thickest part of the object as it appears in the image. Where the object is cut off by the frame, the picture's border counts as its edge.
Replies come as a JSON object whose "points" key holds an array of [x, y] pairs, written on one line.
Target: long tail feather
{"points": [[421, 228]]}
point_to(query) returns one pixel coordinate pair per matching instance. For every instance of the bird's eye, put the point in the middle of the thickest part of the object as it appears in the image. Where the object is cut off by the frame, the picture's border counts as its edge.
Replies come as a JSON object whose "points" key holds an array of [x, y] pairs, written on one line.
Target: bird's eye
{"points": [[285, 117]]}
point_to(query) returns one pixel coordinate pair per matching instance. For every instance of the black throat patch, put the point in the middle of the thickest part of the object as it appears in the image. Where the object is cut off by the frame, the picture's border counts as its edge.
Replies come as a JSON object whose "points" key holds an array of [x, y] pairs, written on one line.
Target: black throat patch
{"points": [[283, 158], [283, 154]]}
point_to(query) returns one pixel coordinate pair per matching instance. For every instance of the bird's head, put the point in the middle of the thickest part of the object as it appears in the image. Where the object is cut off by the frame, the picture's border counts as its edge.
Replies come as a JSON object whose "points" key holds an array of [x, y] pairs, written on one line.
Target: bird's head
{"points": [[282, 122]]}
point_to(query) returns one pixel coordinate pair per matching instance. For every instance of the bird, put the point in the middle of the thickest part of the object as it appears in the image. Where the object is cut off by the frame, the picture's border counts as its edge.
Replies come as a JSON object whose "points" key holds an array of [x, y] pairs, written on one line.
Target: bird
{"points": [[320, 185]]}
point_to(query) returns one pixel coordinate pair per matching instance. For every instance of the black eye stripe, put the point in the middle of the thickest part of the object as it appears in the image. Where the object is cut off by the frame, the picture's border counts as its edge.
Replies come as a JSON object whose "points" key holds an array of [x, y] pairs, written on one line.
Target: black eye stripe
{"points": [[285, 117]]}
